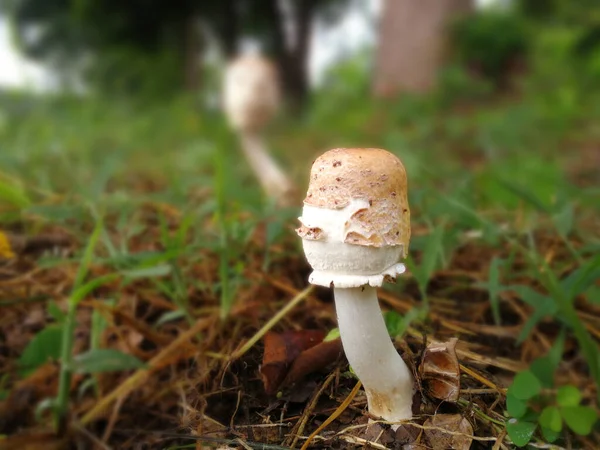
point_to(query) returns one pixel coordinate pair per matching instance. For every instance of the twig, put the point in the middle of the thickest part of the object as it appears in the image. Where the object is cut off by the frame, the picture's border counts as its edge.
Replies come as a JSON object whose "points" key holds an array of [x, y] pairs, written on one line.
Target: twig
{"points": [[363, 442], [334, 415], [478, 412], [481, 379], [140, 375], [113, 419], [243, 443], [271, 323], [97, 442], [500, 440], [309, 409], [167, 435], [422, 427]]}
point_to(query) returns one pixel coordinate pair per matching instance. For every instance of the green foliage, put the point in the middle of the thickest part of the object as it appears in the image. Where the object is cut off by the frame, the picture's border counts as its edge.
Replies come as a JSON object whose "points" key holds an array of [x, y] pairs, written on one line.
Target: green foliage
{"points": [[44, 347], [104, 360], [494, 288], [13, 200], [343, 98], [80, 290], [543, 306], [558, 303], [232, 234], [529, 407], [397, 324], [525, 386], [333, 334], [432, 255], [490, 41], [126, 70], [565, 408], [457, 84], [562, 11], [520, 432], [59, 338], [13, 194]]}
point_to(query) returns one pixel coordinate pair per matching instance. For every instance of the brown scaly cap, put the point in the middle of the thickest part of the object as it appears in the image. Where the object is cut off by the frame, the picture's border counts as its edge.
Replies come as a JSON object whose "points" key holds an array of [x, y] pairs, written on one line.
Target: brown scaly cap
{"points": [[252, 62], [375, 175]]}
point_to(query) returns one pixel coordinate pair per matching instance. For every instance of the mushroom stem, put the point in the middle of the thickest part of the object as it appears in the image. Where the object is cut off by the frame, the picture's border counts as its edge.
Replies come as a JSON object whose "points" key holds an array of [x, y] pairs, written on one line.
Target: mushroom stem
{"points": [[387, 380], [272, 179]]}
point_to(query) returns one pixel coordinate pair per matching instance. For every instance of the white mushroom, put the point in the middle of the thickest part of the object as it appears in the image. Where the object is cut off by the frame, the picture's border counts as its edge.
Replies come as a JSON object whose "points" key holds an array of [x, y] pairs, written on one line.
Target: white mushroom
{"points": [[355, 228], [251, 98]]}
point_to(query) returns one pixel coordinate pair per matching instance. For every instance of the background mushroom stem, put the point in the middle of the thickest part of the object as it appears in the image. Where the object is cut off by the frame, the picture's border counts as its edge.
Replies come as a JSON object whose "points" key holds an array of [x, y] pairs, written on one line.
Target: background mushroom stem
{"points": [[272, 178], [387, 380]]}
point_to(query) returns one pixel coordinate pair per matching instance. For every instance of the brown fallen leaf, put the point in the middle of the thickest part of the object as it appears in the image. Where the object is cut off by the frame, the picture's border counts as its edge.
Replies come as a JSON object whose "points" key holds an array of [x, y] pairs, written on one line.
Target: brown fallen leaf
{"points": [[379, 433], [281, 349], [33, 441], [440, 372], [384, 434], [438, 437], [408, 434], [6, 250], [313, 359]]}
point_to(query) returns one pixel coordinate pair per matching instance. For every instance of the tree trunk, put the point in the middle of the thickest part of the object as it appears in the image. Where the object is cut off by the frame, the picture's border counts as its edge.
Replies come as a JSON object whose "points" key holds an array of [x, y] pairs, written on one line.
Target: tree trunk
{"points": [[292, 62], [298, 54], [192, 54], [411, 43], [227, 27]]}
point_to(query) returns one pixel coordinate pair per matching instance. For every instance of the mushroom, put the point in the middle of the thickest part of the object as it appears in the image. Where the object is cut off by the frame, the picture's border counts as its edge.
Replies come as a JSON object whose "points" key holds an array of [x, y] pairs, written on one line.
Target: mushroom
{"points": [[251, 98], [355, 227]]}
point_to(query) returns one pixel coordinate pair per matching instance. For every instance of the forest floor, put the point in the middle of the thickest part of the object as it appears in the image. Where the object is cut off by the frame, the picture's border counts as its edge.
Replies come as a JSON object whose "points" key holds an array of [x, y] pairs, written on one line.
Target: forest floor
{"points": [[147, 251]]}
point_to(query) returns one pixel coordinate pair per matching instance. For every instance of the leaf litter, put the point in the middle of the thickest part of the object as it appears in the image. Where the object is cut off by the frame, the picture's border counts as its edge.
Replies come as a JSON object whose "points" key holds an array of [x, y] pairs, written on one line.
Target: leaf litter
{"points": [[202, 384]]}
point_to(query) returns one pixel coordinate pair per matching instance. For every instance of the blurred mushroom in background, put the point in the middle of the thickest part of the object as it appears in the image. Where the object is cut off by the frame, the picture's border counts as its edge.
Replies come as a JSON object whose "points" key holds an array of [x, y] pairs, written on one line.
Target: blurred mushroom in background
{"points": [[251, 99]]}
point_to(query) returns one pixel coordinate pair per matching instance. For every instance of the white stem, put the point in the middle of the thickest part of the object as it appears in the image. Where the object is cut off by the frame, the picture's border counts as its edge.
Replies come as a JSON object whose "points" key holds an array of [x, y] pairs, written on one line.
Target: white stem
{"points": [[387, 380], [272, 179]]}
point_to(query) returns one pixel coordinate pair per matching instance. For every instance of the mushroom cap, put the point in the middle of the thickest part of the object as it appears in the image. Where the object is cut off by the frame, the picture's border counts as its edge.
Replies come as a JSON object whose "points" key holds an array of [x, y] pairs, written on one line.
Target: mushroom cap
{"points": [[355, 224], [251, 92], [374, 175]]}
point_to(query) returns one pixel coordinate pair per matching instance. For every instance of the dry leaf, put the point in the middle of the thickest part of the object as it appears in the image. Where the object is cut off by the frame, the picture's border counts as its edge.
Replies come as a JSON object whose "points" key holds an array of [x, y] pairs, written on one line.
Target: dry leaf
{"points": [[33, 441], [281, 349], [313, 360], [379, 433], [439, 371], [440, 439], [408, 434], [6, 250]]}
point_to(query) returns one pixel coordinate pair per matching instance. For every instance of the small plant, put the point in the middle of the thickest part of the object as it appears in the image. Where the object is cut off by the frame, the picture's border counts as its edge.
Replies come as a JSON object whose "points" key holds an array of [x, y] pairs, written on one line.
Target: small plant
{"points": [[397, 324], [433, 253], [565, 408], [55, 342], [530, 407]]}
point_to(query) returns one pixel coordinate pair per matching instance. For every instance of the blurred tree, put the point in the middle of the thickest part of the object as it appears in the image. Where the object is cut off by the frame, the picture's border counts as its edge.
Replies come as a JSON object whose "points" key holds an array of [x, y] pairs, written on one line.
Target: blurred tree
{"points": [[411, 43], [132, 46], [283, 27], [573, 11], [491, 43], [123, 43], [582, 14]]}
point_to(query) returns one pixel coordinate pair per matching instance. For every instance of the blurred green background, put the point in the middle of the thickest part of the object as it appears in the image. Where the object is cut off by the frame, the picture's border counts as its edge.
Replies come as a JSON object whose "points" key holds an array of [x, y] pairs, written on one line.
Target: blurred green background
{"points": [[511, 119]]}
